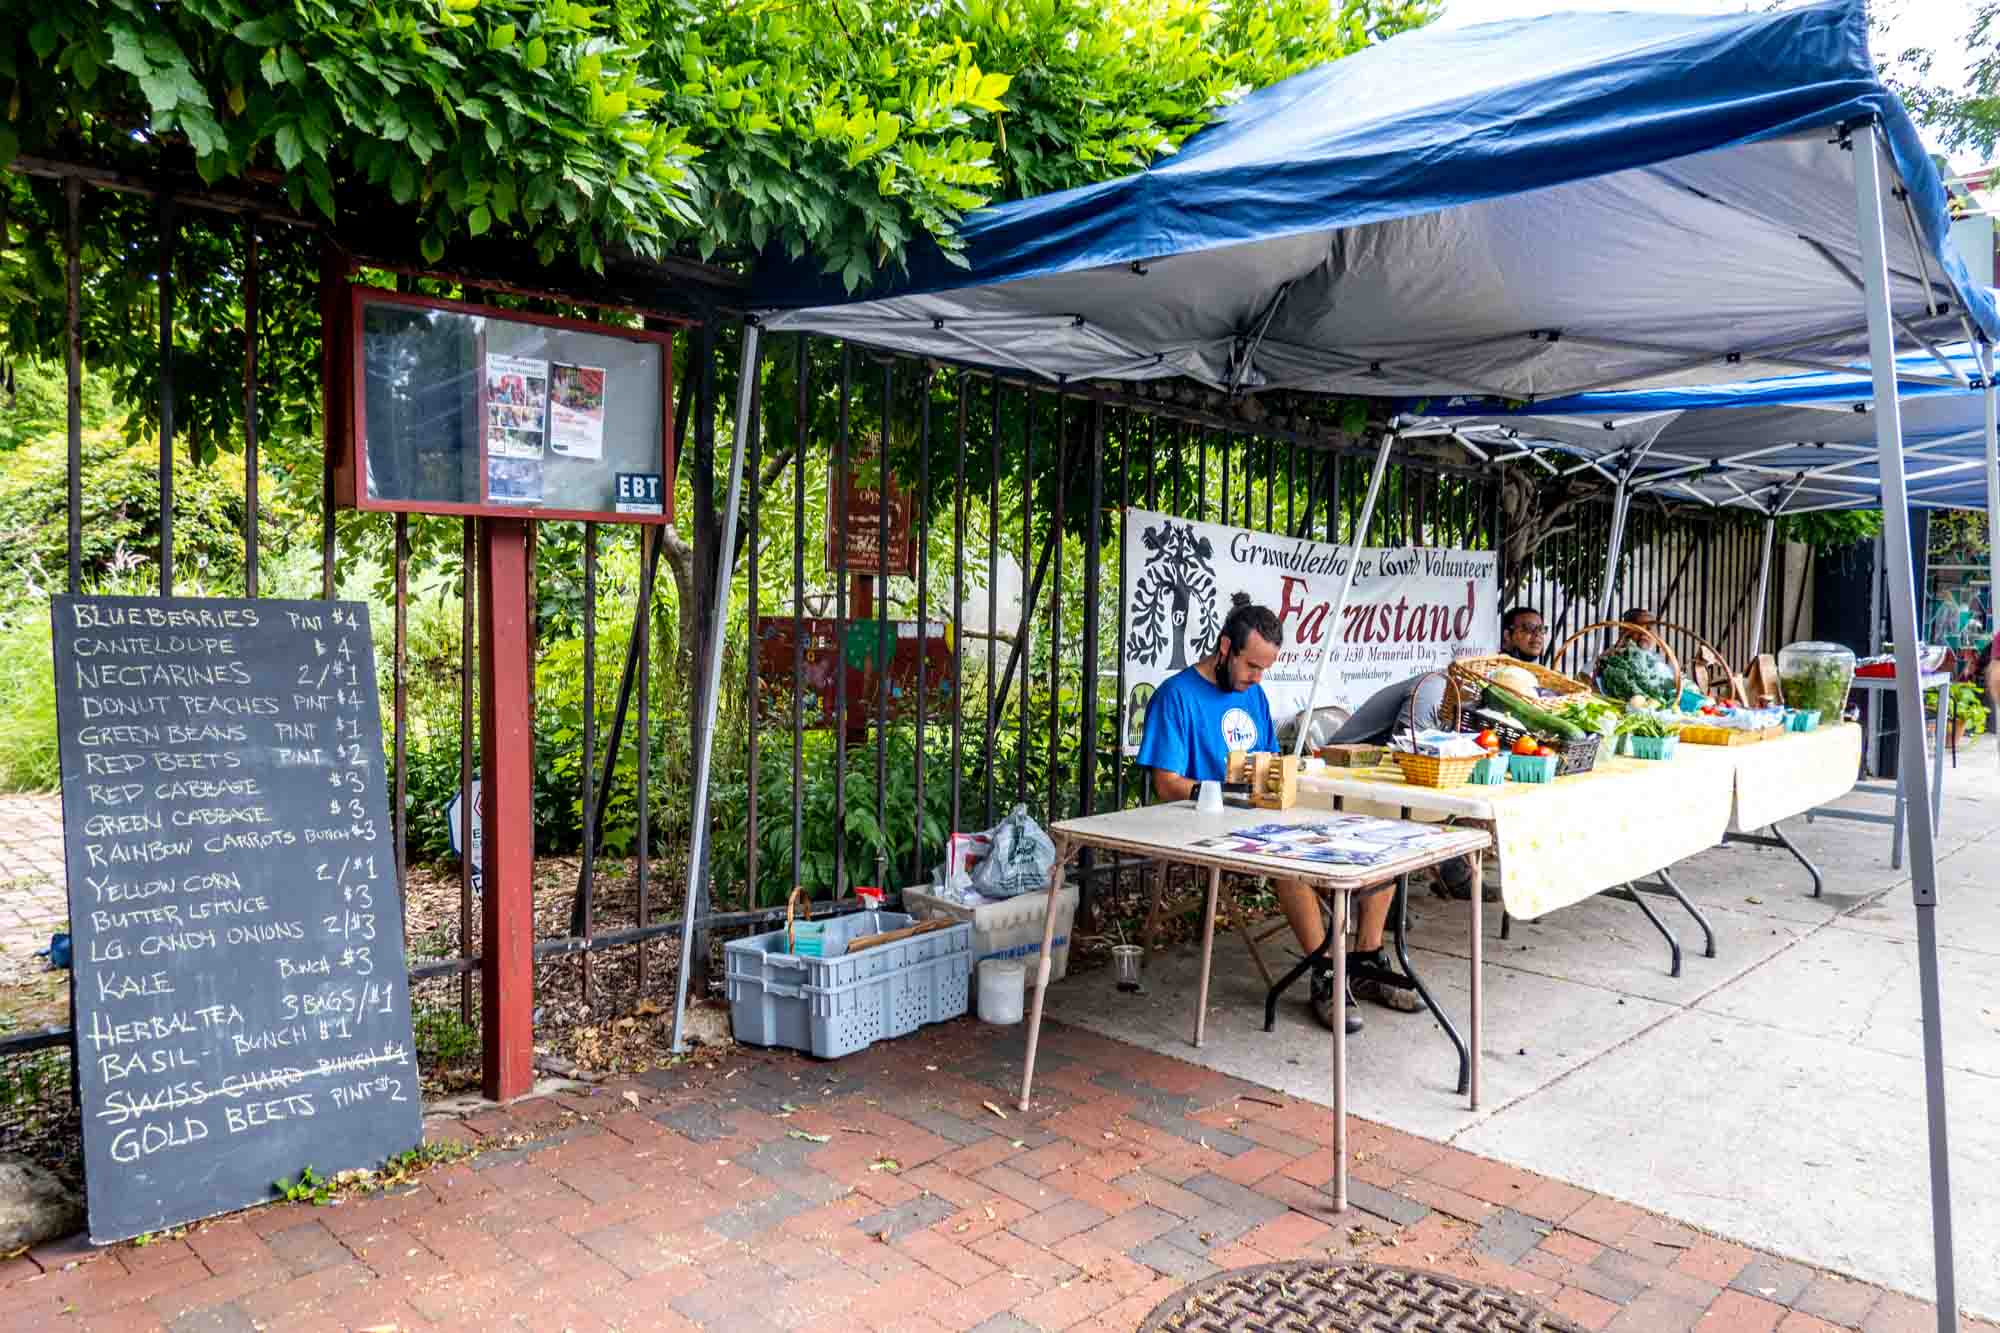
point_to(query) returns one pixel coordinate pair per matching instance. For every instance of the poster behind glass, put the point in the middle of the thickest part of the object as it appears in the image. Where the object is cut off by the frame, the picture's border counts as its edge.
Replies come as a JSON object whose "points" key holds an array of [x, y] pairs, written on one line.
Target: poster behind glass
{"points": [[461, 408]]}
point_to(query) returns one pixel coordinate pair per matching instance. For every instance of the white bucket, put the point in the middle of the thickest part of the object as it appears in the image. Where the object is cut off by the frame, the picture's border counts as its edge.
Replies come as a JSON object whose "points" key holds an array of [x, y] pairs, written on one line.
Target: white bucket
{"points": [[1001, 990]]}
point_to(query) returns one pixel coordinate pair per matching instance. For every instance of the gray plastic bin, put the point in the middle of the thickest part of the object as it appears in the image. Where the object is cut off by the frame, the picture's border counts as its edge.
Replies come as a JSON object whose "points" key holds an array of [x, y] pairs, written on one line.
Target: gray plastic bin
{"points": [[836, 1005]]}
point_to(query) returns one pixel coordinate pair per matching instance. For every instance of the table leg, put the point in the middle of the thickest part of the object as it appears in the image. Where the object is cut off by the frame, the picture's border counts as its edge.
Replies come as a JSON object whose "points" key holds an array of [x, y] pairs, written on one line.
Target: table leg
{"points": [[1063, 853], [1207, 954], [1674, 891], [1339, 1052], [1478, 997], [1896, 838]]}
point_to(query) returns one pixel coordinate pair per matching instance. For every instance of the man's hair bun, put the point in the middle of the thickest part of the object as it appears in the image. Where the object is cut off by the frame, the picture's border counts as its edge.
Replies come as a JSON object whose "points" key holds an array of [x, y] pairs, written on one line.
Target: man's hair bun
{"points": [[1239, 599]]}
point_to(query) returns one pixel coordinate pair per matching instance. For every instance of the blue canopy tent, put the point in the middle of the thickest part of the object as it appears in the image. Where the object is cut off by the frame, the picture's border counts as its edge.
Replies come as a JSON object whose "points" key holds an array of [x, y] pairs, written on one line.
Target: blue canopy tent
{"points": [[1789, 444], [1527, 209]]}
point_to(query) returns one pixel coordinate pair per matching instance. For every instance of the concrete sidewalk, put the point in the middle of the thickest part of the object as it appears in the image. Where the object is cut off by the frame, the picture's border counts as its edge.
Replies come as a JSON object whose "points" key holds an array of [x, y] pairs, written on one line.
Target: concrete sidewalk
{"points": [[1773, 1094], [705, 1198]]}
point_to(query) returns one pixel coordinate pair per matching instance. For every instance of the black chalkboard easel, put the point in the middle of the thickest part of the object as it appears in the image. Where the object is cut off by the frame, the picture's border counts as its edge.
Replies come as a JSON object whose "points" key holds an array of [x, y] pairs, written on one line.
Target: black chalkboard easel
{"points": [[242, 1007]]}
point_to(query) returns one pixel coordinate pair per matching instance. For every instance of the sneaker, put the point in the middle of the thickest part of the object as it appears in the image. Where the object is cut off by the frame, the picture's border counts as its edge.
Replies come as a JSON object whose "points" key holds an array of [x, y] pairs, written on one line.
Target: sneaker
{"points": [[1453, 880], [1322, 1003], [1402, 999]]}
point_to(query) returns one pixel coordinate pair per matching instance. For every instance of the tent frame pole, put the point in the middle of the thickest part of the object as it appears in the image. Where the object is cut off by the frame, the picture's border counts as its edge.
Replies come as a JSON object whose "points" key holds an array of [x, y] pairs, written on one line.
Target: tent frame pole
{"points": [[1992, 396], [1621, 505], [1330, 627], [1911, 768], [1763, 603], [711, 684]]}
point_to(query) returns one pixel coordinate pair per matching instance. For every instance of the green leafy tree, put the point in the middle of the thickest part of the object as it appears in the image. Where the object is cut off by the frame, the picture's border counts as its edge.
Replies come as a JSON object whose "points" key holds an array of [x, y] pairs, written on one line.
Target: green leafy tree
{"points": [[1962, 118]]}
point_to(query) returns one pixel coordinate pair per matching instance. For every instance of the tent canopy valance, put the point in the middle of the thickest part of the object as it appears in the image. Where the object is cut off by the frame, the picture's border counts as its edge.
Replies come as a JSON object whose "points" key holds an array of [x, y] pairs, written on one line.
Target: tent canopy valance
{"points": [[1525, 209], [1787, 444]]}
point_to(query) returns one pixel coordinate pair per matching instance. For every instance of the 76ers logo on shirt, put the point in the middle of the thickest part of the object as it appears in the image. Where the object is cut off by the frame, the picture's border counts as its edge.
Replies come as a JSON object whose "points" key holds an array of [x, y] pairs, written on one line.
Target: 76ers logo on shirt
{"points": [[1239, 731]]}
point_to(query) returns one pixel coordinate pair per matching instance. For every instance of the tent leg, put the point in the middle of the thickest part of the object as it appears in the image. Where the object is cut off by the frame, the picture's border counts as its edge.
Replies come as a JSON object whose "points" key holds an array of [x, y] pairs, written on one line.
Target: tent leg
{"points": [[1763, 588], [1331, 625], [711, 685], [1621, 505], [1992, 397], [1909, 695]]}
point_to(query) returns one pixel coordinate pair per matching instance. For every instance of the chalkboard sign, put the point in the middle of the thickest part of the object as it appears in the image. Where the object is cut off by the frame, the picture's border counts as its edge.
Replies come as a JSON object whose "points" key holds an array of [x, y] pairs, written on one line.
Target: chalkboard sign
{"points": [[242, 1008]]}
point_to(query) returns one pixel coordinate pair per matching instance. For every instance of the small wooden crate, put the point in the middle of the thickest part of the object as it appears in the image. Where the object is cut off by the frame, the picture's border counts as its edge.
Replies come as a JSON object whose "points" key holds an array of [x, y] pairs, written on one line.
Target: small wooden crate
{"points": [[1353, 756], [1274, 781]]}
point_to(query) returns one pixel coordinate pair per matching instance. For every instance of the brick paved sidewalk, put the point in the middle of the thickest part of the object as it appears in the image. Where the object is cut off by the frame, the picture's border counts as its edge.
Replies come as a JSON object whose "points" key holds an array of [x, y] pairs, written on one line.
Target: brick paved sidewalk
{"points": [[704, 1198], [33, 905]]}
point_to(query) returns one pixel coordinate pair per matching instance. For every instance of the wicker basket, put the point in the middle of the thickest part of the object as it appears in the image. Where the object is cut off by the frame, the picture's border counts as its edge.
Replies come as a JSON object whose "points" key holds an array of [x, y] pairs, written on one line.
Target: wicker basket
{"points": [[1466, 677], [1426, 770], [1577, 756]]}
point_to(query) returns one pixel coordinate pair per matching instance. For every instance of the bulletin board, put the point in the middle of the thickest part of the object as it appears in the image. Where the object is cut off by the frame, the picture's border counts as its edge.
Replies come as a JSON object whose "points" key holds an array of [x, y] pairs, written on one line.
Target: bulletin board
{"points": [[469, 409]]}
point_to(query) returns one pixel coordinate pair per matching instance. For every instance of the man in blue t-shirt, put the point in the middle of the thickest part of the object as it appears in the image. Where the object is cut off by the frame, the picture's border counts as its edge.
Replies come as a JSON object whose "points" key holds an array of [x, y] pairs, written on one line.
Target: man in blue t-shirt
{"points": [[1192, 723]]}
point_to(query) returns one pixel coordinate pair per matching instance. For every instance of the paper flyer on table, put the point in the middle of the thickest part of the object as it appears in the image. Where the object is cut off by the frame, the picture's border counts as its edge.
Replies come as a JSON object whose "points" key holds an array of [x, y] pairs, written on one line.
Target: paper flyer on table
{"points": [[576, 410], [517, 392], [1349, 840]]}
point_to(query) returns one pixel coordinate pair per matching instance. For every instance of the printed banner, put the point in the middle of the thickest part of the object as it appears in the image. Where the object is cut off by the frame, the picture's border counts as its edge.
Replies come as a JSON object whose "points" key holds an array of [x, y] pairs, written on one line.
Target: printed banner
{"points": [[1410, 610]]}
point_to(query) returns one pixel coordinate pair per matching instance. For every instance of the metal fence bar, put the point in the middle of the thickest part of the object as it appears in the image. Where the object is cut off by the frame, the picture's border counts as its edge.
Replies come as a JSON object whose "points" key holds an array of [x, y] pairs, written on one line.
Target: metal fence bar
{"points": [[958, 613], [400, 816], [753, 507], [923, 604], [169, 238], [882, 641], [1093, 552], [838, 572], [251, 461], [587, 773], [1028, 597], [992, 595], [1054, 778], [803, 434]]}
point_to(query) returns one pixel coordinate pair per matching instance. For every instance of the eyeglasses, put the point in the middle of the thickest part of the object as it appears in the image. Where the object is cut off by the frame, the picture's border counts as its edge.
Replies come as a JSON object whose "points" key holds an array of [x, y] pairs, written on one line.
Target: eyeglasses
{"points": [[1531, 630]]}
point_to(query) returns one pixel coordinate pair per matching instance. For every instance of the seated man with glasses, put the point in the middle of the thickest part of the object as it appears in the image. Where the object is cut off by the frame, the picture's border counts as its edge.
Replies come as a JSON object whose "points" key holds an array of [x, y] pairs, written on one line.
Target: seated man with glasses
{"points": [[1524, 634]]}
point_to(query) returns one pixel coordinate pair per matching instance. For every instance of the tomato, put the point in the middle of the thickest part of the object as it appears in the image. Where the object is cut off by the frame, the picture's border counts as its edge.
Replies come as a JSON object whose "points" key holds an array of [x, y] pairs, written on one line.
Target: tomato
{"points": [[1526, 746], [1487, 740]]}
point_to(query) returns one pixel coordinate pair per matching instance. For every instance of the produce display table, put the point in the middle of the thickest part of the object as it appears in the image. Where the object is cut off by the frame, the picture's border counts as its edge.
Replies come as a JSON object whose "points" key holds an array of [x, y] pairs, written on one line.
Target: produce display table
{"points": [[1564, 841], [1168, 832], [1560, 842], [1780, 778]]}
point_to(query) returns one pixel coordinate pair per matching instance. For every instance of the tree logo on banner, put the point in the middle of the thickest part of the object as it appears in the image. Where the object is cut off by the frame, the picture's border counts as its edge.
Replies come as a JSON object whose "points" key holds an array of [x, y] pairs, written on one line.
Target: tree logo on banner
{"points": [[1177, 582]]}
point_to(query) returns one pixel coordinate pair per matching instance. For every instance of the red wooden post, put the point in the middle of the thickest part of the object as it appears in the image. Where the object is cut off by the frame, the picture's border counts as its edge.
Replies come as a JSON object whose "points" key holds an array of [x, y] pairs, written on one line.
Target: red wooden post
{"points": [[507, 909]]}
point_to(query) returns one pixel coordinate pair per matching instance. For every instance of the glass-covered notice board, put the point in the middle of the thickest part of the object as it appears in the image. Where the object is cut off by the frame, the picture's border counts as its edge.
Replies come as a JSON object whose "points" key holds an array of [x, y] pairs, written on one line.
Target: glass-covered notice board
{"points": [[466, 409]]}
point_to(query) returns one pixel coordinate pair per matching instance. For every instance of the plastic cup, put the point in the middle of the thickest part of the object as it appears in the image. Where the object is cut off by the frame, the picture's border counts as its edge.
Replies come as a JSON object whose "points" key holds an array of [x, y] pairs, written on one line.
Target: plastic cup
{"points": [[1125, 959]]}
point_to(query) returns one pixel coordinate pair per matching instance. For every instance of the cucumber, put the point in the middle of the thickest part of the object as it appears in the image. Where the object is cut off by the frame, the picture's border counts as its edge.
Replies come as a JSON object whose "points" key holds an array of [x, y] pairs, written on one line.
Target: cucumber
{"points": [[1532, 716]]}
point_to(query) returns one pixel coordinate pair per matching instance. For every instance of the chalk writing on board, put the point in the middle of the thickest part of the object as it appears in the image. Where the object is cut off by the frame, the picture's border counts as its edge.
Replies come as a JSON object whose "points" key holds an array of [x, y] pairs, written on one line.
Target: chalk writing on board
{"points": [[241, 999]]}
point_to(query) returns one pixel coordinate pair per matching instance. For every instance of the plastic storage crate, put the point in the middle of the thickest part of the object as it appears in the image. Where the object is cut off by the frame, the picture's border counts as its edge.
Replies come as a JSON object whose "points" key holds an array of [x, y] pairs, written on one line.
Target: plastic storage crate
{"points": [[1009, 928], [838, 1004]]}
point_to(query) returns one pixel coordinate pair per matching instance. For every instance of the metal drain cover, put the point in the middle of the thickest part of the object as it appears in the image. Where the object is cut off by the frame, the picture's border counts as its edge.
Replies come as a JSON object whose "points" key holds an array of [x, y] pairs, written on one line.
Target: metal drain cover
{"points": [[1319, 1297]]}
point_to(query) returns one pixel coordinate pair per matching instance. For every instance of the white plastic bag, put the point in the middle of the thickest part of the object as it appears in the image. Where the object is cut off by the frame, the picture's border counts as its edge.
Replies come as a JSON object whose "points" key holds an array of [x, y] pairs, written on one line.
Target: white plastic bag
{"points": [[1021, 858]]}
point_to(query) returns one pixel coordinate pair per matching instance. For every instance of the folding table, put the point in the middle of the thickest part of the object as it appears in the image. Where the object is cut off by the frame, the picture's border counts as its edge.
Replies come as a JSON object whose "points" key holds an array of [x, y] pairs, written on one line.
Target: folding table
{"points": [[1169, 832]]}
